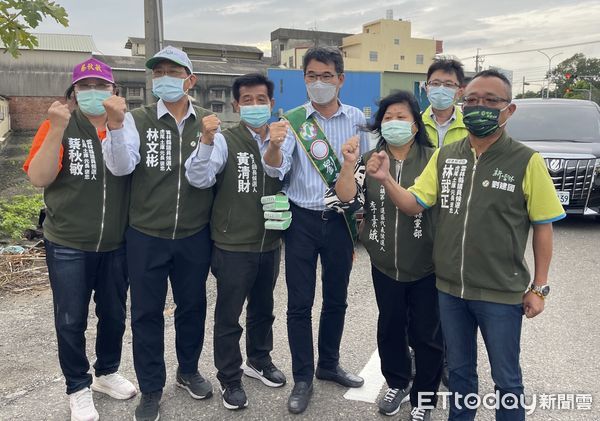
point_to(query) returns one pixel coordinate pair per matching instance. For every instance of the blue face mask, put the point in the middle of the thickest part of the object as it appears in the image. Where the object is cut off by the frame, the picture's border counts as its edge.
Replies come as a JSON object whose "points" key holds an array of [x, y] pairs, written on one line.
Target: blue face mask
{"points": [[168, 88], [90, 102], [441, 97], [397, 132], [255, 115]]}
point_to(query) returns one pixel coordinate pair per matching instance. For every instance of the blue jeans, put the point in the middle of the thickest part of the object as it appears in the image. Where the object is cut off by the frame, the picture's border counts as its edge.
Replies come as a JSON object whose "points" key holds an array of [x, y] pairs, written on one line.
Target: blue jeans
{"points": [[500, 326], [74, 274]]}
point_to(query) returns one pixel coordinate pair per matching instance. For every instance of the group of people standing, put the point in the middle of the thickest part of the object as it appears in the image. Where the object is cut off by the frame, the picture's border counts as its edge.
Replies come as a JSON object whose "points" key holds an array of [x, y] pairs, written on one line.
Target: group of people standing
{"points": [[162, 194]]}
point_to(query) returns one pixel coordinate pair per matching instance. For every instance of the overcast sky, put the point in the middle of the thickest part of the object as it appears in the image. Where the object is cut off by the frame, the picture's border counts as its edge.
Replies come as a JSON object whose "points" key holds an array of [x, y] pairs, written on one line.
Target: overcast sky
{"points": [[464, 26]]}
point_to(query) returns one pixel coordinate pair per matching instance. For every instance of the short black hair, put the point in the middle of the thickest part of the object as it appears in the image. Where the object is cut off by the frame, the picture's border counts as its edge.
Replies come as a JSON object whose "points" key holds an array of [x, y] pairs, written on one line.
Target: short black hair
{"points": [[449, 66], [252, 79], [400, 97], [496, 74], [327, 55]]}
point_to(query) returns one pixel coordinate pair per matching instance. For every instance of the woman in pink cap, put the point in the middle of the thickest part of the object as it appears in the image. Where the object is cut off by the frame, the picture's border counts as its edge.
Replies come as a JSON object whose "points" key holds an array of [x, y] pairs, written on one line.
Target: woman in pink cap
{"points": [[86, 216]]}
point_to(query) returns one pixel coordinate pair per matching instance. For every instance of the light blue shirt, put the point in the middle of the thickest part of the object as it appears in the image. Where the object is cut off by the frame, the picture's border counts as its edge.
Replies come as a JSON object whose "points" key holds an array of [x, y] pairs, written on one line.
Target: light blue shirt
{"points": [[121, 148], [304, 185], [203, 165]]}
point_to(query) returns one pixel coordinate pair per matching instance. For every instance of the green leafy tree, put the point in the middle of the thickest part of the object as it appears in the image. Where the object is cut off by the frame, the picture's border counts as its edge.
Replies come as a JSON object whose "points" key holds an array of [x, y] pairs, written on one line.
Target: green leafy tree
{"points": [[19, 17], [583, 71]]}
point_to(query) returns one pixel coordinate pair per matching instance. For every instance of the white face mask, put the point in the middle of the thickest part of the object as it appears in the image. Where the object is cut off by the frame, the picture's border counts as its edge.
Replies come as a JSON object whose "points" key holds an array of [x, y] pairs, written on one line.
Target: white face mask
{"points": [[321, 92]]}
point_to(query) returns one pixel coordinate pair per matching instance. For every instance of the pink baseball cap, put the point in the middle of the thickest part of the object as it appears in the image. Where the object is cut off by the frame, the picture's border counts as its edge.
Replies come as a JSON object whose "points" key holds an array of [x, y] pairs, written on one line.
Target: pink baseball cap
{"points": [[92, 68]]}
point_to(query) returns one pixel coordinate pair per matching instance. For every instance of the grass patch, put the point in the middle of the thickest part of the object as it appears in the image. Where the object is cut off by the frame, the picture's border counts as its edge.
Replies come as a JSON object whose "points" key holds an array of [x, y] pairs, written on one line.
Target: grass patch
{"points": [[19, 213]]}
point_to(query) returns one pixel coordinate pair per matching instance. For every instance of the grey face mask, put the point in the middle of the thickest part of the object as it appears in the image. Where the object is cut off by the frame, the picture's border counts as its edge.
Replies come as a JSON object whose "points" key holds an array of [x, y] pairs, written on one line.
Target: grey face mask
{"points": [[321, 92]]}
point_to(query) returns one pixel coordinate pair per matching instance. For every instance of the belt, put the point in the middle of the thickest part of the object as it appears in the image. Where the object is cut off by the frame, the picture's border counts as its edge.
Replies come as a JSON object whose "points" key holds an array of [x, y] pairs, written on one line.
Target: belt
{"points": [[325, 215]]}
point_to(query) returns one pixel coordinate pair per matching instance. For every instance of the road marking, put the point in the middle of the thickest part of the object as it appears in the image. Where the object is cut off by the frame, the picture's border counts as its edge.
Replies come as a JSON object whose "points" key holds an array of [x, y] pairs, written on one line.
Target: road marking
{"points": [[374, 380]]}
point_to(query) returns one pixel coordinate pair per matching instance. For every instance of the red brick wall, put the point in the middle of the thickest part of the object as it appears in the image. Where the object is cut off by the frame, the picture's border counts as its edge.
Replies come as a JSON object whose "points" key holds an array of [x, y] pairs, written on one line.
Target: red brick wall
{"points": [[27, 112]]}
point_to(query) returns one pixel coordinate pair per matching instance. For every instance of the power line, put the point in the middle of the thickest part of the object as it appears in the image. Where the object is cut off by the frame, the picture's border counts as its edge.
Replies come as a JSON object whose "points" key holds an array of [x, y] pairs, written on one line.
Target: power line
{"points": [[532, 50]]}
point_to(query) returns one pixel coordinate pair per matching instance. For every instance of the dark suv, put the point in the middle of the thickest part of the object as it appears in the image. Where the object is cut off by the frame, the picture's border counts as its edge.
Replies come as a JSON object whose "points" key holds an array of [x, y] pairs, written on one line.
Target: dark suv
{"points": [[566, 132]]}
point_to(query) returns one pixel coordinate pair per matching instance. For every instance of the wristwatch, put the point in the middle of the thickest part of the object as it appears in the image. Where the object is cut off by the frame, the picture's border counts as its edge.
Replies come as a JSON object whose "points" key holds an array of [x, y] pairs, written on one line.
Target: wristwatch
{"points": [[540, 290]]}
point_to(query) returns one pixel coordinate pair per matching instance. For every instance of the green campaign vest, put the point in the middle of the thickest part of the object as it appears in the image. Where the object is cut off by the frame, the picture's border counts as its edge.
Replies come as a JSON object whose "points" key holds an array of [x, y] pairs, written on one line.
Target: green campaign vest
{"points": [[163, 203], [399, 245], [237, 222], [86, 206], [312, 139]]}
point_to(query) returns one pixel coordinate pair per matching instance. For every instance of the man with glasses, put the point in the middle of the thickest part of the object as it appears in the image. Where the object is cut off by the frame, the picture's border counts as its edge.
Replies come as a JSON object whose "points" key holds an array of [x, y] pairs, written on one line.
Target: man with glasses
{"points": [[490, 189], [168, 235], [310, 155], [443, 120]]}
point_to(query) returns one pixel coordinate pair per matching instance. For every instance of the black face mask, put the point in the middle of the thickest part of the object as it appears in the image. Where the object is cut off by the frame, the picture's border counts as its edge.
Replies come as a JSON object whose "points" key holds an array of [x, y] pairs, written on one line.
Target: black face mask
{"points": [[481, 121]]}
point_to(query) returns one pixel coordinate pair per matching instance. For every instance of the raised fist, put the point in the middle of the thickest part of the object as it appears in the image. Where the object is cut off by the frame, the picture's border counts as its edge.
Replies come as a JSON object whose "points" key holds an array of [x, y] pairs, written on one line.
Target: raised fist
{"points": [[210, 126], [278, 132], [351, 150], [378, 166], [59, 115], [115, 107]]}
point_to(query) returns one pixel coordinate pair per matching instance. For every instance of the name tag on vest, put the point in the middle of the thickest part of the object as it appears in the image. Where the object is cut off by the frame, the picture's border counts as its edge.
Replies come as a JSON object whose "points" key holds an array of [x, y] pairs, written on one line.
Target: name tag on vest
{"points": [[158, 149]]}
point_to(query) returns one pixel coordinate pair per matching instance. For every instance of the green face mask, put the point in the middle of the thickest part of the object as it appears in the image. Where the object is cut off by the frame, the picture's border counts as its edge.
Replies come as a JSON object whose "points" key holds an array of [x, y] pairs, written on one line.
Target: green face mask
{"points": [[482, 121]]}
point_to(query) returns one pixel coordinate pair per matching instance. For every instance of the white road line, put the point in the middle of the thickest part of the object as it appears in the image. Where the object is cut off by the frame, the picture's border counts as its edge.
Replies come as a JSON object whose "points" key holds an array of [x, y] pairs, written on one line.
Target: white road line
{"points": [[374, 380]]}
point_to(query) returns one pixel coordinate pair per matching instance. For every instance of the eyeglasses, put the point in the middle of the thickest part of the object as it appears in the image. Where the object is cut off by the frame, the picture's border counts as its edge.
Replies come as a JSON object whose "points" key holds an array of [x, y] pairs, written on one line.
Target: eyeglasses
{"points": [[325, 77], [447, 84], [97, 86], [488, 101], [170, 72]]}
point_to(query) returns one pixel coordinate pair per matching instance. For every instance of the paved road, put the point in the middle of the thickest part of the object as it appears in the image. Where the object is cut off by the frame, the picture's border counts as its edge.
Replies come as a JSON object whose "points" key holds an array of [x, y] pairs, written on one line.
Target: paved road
{"points": [[560, 350]]}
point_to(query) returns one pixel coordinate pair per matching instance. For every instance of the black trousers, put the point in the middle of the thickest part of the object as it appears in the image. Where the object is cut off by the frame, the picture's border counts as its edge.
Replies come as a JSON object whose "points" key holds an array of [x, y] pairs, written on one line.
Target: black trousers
{"points": [[241, 276], [74, 276], [409, 315], [314, 234], [185, 262]]}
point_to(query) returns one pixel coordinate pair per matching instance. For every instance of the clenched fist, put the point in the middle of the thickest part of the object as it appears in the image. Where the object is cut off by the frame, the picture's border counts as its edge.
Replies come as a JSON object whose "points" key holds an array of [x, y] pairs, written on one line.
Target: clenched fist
{"points": [[378, 166], [115, 107], [59, 115], [210, 126], [351, 150], [278, 132]]}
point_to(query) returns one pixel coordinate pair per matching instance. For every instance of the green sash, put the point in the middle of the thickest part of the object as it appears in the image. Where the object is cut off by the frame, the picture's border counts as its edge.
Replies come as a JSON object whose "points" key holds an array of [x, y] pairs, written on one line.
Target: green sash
{"points": [[319, 151]]}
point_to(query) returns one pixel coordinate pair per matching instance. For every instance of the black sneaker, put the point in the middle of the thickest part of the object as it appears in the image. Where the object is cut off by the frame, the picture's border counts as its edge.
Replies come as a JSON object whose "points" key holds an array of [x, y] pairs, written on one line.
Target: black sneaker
{"points": [[234, 396], [391, 401], [196, 385], [269, 374], [420, 414], [147, 409]]}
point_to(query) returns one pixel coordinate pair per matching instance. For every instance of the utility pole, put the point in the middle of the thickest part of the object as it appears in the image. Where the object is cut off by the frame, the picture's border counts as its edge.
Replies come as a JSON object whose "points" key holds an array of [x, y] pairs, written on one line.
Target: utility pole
{"points": [[549, 70], [153, 27], [477, 61], [524, 83]]}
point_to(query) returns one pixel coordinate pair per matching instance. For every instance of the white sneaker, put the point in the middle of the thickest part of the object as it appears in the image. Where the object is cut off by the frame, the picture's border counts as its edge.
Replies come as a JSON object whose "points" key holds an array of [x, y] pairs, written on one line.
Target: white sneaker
{"points": [[114, 385], [82, 406]]}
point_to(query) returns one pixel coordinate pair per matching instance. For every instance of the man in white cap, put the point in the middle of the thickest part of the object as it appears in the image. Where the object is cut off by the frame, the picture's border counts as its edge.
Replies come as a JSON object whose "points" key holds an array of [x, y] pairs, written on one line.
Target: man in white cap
{"points": [[168, 235]]}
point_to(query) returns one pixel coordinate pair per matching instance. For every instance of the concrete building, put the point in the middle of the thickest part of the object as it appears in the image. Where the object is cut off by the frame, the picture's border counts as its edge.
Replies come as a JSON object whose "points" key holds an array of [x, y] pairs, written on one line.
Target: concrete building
{"points": [[386, 45], [40, 76], [289, 45]]}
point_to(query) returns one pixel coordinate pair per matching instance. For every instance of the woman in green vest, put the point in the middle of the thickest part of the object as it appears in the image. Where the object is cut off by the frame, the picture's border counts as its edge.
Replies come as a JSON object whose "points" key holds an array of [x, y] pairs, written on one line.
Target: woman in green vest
{"points": [[400, 248], [86, 216]]}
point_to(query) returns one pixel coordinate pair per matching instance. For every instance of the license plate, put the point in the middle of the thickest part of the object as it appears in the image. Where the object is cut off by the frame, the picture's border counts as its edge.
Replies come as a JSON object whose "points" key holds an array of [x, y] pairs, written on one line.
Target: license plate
{"points": [[564, 197]]}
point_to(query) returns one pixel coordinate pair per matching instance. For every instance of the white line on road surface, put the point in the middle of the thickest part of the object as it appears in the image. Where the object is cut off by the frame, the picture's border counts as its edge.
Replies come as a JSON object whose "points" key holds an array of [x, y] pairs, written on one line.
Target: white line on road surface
{"points": [[373, 382]]}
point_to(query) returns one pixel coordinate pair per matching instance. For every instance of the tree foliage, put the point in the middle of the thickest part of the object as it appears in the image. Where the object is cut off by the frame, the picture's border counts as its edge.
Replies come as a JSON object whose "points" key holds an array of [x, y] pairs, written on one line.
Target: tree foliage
{"points": [[584, 72], [19, 17]]}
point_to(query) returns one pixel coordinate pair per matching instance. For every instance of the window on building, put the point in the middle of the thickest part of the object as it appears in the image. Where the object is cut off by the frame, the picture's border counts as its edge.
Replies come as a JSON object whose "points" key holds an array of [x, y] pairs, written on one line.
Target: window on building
{"points": [[291, 62], [133, 105], [1, 112], [396, 41], [367, 112], [281, 47], [401, 57], [396, 67], [217, 93], [372, 55], [217, 108], [134, 92], [419, 58]]}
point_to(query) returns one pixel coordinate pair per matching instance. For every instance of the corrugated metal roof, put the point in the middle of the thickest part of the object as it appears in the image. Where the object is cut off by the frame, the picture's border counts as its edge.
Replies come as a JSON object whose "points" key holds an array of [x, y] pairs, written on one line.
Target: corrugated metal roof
{"points": [[198, 45], [229, 67], [63, 42]]}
